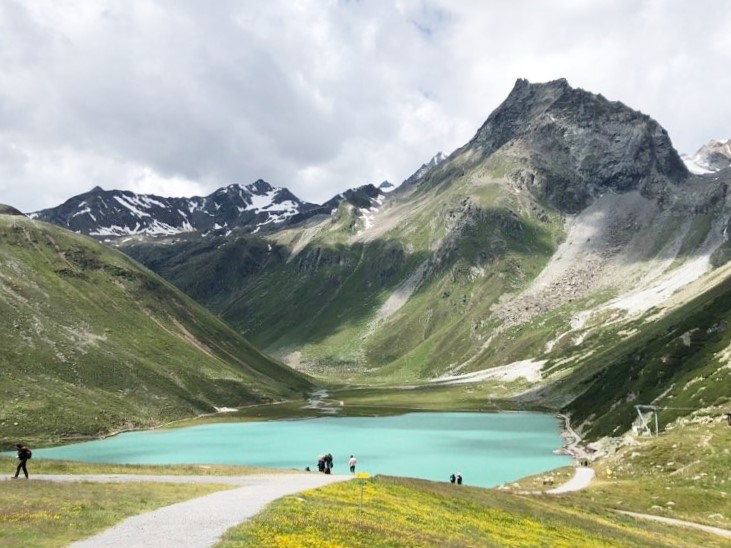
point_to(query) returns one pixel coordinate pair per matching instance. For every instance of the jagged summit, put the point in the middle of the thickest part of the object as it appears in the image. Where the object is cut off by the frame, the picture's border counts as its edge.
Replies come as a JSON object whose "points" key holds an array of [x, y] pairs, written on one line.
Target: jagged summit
{"points": [[575, 144], [251, 207], [120, 212]]}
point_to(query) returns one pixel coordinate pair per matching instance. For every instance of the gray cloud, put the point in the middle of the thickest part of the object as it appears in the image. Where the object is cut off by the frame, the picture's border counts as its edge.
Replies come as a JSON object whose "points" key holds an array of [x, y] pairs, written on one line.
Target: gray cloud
{"points": [[181, 97]]}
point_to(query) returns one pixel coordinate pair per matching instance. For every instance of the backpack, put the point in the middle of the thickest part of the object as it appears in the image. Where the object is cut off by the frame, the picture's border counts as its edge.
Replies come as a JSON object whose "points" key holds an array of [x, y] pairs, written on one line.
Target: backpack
{"points": [[26, 453]]}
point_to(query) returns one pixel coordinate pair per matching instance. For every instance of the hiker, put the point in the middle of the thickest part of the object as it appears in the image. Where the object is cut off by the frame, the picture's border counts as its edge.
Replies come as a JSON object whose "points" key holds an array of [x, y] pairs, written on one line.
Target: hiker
{"points": [[321, 463], [328, 463], [351, 463], [24, 453], [459, 478], [452, 478]]}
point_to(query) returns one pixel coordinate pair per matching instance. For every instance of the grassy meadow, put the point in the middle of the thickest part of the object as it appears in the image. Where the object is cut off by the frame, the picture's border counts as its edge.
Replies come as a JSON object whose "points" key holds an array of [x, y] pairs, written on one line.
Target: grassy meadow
{"points": [[404, 512], [682, 474], [45, 514]]}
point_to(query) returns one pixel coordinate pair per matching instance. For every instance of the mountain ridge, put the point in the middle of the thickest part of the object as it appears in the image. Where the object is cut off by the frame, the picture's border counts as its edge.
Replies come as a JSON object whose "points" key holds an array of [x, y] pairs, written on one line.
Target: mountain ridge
{"points": [[253, 207]]}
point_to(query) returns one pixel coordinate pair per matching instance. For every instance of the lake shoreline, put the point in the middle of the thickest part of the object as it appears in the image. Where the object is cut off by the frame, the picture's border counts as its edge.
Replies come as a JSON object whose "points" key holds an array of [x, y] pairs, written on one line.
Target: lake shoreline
{"points": [[488, 448]]}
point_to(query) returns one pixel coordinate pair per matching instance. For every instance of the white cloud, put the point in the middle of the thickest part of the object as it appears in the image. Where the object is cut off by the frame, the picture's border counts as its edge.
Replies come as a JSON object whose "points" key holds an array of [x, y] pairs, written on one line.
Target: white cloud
{"points": [[179, 96]]}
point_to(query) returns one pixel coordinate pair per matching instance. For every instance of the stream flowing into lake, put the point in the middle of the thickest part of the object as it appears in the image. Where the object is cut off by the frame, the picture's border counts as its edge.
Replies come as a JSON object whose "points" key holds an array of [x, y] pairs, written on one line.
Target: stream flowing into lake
{"points": [[488, 449]]}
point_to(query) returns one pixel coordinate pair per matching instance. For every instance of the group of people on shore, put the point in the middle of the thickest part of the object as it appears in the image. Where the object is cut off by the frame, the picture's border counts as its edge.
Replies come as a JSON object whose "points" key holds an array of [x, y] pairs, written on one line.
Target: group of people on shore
{"points": [[456, 478], [325, 463]]}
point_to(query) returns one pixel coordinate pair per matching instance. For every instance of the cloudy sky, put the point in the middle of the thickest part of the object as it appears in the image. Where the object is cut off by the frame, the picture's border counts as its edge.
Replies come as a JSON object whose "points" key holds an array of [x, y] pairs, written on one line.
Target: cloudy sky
{"points": [[180, 97]]}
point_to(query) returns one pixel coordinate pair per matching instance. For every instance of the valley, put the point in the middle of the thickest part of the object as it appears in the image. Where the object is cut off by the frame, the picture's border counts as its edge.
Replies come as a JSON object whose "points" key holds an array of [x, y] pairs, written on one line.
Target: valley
{"points": [[565, 260]]}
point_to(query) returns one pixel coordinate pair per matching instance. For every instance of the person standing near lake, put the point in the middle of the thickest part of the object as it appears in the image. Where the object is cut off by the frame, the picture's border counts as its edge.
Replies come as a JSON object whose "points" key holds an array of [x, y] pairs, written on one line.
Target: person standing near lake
{"points": [[351, 463], [24, 453]]}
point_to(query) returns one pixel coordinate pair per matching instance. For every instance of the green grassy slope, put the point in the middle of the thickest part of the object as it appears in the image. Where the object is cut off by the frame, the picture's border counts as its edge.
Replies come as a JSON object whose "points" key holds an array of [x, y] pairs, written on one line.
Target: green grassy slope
{"points": [[678, 362], [92, 342], [319, 292]]}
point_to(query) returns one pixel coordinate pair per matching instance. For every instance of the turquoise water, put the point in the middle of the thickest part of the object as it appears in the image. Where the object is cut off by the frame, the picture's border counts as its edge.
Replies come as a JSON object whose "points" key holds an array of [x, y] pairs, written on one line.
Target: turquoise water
{"points": [[486, 448]]}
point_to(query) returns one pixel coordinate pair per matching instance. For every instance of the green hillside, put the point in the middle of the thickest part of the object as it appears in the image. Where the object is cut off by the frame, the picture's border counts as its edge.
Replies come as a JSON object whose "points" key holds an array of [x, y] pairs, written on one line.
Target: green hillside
{"points": [[94, 343], [319, 289], [679, 362]]}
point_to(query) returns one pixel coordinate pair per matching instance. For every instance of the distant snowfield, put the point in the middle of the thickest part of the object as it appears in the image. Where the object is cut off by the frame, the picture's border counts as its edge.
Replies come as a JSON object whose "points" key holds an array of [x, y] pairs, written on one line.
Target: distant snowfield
{"points": [[527, 369]]}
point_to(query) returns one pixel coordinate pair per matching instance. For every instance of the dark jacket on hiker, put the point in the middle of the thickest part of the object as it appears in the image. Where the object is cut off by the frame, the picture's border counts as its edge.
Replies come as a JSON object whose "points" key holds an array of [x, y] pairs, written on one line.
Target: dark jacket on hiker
{"points": [[24, 453]]}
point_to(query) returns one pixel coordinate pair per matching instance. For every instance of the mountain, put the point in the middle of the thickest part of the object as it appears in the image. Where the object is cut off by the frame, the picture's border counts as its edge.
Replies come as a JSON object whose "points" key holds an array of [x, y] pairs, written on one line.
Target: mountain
{"points": [[250, 208], [575, 145], [123, 213], [714, 156], [94, 343], [545, 260]]}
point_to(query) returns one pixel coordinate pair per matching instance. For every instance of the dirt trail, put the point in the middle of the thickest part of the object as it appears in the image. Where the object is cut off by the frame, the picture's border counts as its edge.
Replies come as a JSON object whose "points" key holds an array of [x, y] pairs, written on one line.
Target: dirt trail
{"points": [[581, 480], [680, 523], [198, 522]]}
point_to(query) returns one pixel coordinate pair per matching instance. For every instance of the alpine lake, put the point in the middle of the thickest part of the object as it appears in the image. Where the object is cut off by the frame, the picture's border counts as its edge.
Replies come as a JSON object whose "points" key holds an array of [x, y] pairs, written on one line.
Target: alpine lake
{"points": [[487, 449]]}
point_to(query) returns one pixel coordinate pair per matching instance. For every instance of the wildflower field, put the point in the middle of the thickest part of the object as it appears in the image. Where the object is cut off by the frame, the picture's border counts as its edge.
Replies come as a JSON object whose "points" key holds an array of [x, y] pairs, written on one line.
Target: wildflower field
{"points": [[403, 512]]}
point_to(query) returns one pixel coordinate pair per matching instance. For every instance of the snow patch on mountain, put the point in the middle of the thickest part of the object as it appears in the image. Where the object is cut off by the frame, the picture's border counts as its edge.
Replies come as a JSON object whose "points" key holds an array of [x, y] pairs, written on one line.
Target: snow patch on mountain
{"points": [[369, 214], [131, 205]]}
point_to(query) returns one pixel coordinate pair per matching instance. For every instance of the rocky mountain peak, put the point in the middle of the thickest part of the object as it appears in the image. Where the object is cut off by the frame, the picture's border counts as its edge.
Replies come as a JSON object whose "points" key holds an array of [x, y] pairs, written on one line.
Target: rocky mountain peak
{"points": [[260, 186], [577, 144]]}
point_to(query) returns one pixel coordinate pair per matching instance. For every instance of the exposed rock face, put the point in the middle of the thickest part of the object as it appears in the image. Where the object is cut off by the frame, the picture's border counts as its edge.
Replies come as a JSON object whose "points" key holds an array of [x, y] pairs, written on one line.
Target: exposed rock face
{"points": [[575, 144]]}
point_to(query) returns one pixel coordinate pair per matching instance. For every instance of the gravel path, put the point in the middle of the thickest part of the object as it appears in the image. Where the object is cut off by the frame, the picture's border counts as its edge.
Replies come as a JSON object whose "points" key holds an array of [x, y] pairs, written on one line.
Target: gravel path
{"points": [[670, 521], [582, 478], [198, 522]]}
